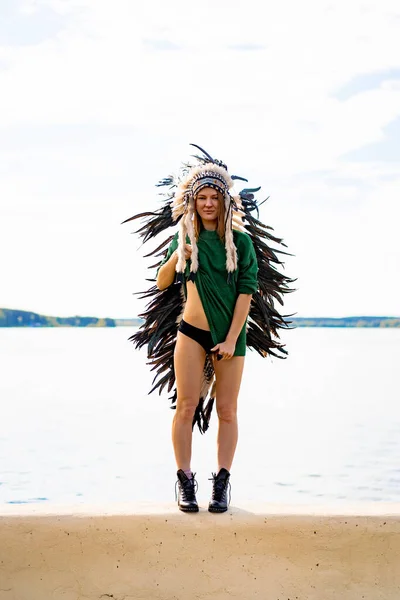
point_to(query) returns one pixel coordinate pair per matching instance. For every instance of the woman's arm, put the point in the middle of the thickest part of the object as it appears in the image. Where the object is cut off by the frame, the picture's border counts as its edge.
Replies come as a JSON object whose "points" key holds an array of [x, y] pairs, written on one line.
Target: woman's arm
{"points": [[240, 313], [166, 274], [246, 286], [242, 307]]}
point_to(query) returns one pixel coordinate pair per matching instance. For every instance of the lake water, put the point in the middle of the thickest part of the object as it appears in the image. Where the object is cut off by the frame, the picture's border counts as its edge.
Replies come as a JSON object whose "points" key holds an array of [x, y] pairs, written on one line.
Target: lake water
{"points": [[77, 425]]}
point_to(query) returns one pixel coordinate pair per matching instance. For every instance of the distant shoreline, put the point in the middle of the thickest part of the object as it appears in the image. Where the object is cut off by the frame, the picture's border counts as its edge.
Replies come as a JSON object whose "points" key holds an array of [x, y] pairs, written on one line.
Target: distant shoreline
{"points": [[21, 318]]}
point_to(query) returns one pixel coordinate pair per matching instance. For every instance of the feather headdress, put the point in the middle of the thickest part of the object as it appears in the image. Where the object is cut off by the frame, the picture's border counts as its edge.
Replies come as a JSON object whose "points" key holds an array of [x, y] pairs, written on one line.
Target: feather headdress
{"points": [[165, 307], [216, 177]]}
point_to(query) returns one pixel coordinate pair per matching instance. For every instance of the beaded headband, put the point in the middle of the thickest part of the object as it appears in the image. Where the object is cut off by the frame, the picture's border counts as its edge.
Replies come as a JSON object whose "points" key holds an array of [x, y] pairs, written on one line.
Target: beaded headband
{"points": [[209, 179]]}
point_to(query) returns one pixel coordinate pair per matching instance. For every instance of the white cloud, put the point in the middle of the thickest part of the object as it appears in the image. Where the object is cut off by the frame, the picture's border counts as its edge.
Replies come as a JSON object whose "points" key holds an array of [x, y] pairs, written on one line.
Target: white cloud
{"points": [[270, 113]]}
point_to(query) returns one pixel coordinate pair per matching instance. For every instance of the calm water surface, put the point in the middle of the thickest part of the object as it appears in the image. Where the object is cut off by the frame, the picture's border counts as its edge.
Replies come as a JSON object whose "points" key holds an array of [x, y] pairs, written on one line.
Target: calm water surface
{"points": [[77, 424]]}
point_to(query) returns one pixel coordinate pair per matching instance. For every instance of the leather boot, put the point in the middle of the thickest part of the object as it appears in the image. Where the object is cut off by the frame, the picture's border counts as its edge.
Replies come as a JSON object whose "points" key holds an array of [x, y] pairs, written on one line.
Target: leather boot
{"points": [[186, 495], [219, 501]]}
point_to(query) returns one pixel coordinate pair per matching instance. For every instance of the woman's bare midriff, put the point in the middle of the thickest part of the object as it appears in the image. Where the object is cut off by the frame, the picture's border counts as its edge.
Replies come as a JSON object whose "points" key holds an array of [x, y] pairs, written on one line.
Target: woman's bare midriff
{"points": [[194, 312]]}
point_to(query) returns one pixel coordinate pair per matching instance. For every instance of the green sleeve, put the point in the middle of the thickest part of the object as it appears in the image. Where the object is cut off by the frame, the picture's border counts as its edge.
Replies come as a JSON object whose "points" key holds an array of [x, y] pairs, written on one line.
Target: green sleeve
{"points": [[247, 265], [171, 248]]}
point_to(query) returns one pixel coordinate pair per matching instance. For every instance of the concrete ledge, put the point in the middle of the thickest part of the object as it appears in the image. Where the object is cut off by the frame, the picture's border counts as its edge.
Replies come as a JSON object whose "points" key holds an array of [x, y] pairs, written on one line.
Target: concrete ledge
{"points": [[141, 552]]}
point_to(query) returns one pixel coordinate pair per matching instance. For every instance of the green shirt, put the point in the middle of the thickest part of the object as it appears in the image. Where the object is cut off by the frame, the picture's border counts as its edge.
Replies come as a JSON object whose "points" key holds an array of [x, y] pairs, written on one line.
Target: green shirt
{"points": [[217, 296]]}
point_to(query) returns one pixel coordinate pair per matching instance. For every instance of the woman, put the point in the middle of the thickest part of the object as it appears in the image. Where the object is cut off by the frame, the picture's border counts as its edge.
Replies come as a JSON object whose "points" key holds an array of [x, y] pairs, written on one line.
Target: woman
{"points": [[218, 269], [194, 340]]}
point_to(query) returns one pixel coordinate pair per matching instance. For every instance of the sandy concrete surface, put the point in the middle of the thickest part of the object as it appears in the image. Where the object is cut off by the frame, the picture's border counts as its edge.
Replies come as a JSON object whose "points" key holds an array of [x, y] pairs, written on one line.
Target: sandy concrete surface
{"points": [[143, 552]]}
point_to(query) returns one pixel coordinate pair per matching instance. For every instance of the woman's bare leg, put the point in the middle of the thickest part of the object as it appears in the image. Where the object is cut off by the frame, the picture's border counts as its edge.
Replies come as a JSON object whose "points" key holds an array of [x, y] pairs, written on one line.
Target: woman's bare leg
{"points": [[189, 360], [229, 376]]}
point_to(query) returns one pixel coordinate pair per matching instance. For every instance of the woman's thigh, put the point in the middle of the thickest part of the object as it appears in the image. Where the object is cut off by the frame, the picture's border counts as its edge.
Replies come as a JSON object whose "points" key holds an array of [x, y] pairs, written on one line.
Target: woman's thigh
{"points": [[228, 379], [189, 360]]}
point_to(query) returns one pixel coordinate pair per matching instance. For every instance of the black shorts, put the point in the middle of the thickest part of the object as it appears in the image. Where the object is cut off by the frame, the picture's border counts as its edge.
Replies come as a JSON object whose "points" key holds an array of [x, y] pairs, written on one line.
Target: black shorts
{"points": [[201, 336]]}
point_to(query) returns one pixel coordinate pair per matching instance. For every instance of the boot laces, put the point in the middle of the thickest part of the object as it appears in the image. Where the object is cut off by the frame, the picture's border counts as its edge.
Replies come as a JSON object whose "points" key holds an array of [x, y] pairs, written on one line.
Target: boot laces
{"points": [[220, 487], [188, 489]]}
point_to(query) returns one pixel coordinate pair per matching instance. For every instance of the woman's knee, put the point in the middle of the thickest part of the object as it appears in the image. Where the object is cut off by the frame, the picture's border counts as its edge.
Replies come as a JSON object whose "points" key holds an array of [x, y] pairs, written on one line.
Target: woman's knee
{"points": [[228, 414], [185, 408]]}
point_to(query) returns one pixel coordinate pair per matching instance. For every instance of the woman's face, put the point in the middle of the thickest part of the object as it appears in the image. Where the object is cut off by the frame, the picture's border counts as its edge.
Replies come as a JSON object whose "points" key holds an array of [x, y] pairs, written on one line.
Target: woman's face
{"points": [[207, 205]]}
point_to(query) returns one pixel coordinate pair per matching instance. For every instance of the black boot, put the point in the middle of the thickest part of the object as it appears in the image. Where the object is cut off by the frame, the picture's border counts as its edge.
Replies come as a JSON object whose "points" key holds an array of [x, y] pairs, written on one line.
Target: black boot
{"points": [[187, 492], [219, 501]]}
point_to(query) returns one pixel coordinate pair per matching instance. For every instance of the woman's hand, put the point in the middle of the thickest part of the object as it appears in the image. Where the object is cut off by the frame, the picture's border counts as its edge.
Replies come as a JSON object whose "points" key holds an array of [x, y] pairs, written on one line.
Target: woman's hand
{"points": [[225, 350], [188, 253]]}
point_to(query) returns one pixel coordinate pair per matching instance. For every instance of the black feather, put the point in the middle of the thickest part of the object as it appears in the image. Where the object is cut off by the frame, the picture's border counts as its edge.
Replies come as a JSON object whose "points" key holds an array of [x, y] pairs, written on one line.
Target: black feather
{"points": [[164, 307]]}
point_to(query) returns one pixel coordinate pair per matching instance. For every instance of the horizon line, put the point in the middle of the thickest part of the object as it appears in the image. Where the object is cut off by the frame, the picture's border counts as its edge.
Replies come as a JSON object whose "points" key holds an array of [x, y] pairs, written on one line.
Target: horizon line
{"points": [[137, 317]]}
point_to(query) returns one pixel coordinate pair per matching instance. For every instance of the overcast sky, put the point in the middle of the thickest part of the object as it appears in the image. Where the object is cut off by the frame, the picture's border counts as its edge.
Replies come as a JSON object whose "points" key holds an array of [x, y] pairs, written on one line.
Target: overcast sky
{"points": [[99, 100]]}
